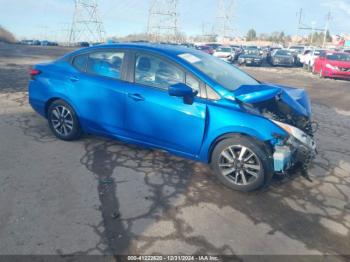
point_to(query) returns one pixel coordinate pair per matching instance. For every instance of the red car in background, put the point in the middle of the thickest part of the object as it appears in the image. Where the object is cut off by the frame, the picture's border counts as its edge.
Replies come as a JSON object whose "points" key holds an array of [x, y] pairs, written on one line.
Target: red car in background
{"points": [[206, 49], [332, 64]]}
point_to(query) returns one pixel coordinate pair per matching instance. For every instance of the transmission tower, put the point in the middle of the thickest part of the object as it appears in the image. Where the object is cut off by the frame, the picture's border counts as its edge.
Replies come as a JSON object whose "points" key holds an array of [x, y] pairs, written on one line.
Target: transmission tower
{"points": [[86, 25], [163, 21], [224, 19]]}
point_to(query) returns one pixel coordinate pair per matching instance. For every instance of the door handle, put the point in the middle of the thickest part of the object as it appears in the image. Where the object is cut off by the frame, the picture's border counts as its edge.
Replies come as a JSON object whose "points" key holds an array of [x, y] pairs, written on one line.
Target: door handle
{"points": [[74, 79], [136, 97]]}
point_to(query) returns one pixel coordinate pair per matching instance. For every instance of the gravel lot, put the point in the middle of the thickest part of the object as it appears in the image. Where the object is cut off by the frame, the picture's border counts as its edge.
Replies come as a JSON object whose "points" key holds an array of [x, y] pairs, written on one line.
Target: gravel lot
{"points": [[98, 196]]}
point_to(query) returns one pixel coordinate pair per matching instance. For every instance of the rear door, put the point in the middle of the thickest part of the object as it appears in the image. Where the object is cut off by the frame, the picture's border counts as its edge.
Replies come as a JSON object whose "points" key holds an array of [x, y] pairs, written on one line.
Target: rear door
{"points": [[98, 90], [154, 117]]}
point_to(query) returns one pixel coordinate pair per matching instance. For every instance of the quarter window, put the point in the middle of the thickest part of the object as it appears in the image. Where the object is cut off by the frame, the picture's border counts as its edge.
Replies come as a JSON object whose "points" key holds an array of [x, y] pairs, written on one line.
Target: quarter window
{"points": [[79, 62], [193, 83], [156, 72], [106, 63]]}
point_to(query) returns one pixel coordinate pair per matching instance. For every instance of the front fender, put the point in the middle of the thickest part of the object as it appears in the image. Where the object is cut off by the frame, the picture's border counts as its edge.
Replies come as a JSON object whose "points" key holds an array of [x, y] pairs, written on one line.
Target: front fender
{"points": [[223, 121]]}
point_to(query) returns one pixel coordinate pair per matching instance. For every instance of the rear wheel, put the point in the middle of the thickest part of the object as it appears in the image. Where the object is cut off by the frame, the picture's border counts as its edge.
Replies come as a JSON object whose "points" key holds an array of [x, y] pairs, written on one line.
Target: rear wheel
{"points": [[63, 121], [241, 164]]}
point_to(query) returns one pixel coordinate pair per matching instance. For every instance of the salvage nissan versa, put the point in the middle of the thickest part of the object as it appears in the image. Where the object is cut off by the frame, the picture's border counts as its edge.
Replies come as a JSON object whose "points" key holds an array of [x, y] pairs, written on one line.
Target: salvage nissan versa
{"points": [[180, 100]]}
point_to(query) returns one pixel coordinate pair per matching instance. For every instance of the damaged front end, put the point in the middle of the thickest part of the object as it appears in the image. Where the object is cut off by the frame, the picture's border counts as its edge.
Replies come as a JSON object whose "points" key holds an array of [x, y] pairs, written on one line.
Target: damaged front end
{"points": [[289, 108]]}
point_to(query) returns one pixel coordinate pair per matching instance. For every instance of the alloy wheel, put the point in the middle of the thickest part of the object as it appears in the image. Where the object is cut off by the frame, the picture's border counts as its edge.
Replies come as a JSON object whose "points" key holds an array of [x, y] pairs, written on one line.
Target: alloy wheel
{"points": [[62, 120], [239, 165]]}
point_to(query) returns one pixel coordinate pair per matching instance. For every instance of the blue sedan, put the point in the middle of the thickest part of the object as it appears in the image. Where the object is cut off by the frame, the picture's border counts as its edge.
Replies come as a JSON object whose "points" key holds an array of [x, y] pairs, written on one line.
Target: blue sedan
{"points": [[180, 100]]}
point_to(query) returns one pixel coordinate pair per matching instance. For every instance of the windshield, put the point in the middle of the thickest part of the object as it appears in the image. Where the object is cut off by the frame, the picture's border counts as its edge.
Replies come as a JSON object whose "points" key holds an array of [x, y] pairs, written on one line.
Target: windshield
{"points": [[224, 49], [252, 52], [339, 57], [297, 47], [228, 76], [283, 52]]}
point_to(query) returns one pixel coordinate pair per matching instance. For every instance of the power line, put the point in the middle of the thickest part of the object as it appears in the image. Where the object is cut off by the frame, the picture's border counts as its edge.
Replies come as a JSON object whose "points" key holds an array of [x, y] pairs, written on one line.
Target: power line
{"points": [[86, 25], [224, 19], [163, 21]]}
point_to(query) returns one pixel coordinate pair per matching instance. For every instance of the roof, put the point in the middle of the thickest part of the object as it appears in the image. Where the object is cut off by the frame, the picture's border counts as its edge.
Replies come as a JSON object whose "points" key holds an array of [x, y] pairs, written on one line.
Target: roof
{"points": [[172, 50]]}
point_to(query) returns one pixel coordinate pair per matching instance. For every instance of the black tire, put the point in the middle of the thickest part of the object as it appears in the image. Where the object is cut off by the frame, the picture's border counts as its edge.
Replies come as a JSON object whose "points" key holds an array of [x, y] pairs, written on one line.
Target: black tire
{"points": [[74, 131], [264, 175]]}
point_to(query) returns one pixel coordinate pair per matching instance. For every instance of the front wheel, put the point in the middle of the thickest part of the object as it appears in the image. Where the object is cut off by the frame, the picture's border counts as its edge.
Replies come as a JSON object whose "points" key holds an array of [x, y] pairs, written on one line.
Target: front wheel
{"points": [[241, 164], [63, 121]]}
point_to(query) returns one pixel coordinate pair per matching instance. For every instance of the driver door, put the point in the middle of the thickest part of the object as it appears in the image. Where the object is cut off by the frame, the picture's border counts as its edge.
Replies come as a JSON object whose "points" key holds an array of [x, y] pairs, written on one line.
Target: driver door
{"points": [[153, 116]]}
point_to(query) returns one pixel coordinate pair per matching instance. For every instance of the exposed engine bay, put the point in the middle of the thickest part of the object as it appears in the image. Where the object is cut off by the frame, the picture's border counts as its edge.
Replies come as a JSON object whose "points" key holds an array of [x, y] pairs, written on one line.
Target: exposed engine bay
{"points": [[277, 110], [290, 109]]}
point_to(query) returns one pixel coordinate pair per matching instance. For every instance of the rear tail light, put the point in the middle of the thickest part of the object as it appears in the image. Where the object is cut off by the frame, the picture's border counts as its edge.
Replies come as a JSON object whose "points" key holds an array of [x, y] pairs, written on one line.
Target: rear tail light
{"points": [[34, 72]]}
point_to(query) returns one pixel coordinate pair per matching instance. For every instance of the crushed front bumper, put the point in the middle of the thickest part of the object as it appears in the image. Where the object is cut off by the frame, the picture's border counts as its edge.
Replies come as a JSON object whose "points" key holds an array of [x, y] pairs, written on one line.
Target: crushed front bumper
{"points": [[294, 151]]}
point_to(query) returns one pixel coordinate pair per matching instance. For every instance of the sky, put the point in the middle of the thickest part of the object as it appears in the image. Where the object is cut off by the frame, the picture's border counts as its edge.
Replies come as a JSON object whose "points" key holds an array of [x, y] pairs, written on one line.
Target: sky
{"points": [[52, 18]]}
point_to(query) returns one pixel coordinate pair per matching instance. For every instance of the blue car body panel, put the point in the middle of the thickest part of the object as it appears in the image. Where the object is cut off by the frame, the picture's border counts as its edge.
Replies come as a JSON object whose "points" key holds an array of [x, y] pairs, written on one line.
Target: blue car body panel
{"points": [[106, 106]]}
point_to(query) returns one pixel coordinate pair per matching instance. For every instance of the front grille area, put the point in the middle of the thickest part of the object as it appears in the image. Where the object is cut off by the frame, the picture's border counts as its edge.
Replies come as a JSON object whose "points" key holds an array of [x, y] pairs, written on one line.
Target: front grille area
{"points": [[343, 69]]}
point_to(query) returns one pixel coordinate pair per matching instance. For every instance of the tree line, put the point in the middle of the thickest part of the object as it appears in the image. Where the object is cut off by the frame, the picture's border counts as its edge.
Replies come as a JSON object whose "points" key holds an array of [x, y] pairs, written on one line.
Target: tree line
{"points": [[281, 37]]}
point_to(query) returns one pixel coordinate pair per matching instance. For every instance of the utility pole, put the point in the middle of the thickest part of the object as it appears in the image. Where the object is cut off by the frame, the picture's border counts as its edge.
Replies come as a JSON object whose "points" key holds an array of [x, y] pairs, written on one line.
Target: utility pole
{"points": [[313, 29], [163, 21], [328, 17], [86, 25], [300, 15], [224, 19]]}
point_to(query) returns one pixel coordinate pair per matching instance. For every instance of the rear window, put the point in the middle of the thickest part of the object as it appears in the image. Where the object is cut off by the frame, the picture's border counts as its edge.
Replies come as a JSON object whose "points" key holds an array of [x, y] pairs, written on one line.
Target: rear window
{"points": [[283, 52]]}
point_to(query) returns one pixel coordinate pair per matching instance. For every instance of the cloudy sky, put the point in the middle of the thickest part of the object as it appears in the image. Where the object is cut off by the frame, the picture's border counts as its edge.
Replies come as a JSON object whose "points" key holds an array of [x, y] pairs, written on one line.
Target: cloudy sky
{"points": [[52, 18]]}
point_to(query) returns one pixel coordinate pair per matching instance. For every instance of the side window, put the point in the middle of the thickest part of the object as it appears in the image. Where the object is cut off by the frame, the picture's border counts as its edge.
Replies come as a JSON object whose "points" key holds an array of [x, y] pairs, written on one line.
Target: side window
{"points": [[80, 62], [105, 63], [153, 71]]}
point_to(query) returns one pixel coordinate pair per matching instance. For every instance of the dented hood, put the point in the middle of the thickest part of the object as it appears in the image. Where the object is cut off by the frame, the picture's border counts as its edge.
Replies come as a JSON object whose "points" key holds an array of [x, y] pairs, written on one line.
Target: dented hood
{"points": [[296, 99]]}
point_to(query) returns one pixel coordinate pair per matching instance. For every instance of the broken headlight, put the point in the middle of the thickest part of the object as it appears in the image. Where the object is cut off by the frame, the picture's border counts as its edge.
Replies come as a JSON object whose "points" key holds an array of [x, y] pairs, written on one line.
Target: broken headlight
{"points": [[299, 135]]}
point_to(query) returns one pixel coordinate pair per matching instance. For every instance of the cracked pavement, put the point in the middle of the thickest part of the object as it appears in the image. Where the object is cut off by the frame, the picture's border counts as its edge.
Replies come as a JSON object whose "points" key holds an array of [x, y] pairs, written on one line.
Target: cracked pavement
{"points": [[98, 196]]}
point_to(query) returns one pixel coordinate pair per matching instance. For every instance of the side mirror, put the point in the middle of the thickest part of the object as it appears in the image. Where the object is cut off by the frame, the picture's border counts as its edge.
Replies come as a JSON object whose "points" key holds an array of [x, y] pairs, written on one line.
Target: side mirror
{"points": [[184, 91]]}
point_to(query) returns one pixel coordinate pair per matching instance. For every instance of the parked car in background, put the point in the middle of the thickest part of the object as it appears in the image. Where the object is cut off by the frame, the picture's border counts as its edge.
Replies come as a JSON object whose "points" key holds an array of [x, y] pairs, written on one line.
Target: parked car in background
{"points": [[251, 57], [269, 52], [180, 100], [206, 49], [214, 46], [282, 57], [301, 57], [238, 50], [83, 44], [297, 49], [310, 58], [225, 53], [332, 65], [48, 43], [30, 42]]}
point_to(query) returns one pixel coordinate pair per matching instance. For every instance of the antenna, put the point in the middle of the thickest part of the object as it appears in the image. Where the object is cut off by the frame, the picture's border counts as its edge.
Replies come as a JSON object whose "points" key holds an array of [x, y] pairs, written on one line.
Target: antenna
{"points": [[86, 25], [163, 21], [224, 19]]}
